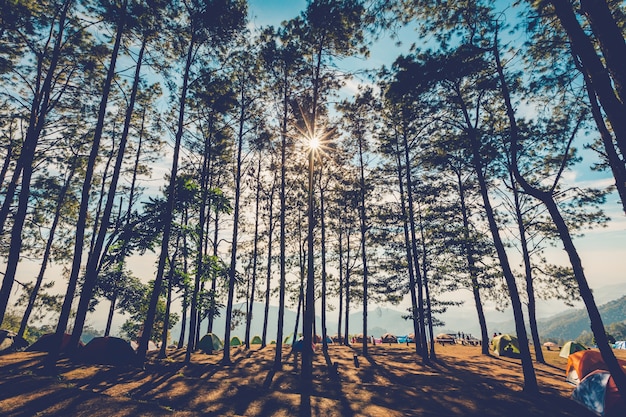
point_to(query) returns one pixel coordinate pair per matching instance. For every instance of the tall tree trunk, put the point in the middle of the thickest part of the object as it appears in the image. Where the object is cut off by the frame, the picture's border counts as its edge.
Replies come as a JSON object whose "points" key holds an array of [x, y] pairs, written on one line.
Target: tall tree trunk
{"points": [[427, 315], [93, 263], [24, 164], [597, 326], [8, 158], [169, 213], [530, 379], [528, 272], [323, 245], [255, 252], [601, 82], [213, 293], [168, 304], [194, 312], [611, 39], [341, 284], [363, 223], [47, 252], [614, 160], [84, 205], [278, 362], [471, 266], [268, 279], [420, 336], [301, 261], [346, 334], [407, 241], [232, 271]]}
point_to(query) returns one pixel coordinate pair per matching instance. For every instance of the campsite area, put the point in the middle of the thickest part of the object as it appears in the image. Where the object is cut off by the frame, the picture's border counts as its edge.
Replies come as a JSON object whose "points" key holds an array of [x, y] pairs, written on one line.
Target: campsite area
{"points": [[389, 382]]}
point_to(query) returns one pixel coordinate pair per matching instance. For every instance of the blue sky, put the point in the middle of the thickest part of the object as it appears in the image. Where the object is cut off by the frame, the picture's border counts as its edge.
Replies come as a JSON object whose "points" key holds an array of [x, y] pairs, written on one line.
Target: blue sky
{"points": [[601, 249]]}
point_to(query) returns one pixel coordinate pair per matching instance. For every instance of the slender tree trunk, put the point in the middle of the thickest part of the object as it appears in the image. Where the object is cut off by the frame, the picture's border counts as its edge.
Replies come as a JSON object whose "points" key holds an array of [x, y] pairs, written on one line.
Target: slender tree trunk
{"points": [[611, 39], [615, 161], [168, 305], [363, 222], [471, 267], [93, 263], [323, 245], [47, 252], [301, 261], [278, 364], [107, 329], [341, 284], [8, 158], [346, 334], [213, 293], [268, 279], [428, 316], [233, 254], [528, 272], [407, 243], [420, 335], [255, 251], [24, 164], [84, 206], [601, 82], [597, 326], [530, 379], [194, 335], [183, 320], [167, 229]]}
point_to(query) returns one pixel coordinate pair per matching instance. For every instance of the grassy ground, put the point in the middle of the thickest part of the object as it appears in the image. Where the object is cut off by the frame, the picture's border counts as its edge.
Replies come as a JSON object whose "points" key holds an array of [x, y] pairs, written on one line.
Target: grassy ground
{"points": [[390, 381]]}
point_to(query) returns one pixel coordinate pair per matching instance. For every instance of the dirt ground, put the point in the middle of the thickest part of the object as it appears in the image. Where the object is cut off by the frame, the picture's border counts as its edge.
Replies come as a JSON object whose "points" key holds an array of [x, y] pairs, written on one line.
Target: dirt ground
{"points": [[390, 381]]}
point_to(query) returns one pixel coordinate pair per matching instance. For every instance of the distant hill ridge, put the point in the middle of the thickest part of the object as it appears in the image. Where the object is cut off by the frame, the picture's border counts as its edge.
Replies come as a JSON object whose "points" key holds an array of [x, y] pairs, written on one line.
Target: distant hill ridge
{"points": [[570, 325]]}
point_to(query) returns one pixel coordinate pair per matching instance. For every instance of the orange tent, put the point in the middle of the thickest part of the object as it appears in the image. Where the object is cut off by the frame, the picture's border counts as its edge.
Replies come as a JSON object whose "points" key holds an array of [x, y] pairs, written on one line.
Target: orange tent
{"points": [[582, 363]]}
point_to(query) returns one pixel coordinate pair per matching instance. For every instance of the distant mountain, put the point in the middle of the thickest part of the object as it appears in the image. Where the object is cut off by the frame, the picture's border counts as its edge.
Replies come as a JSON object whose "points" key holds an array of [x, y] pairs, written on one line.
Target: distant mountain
{"points": [[569, 325]]}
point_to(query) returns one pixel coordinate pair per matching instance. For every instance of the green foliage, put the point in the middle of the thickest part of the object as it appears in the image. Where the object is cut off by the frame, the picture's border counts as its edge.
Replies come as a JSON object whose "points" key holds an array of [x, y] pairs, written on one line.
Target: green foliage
{"points": [[46, 304], [132, 328]]}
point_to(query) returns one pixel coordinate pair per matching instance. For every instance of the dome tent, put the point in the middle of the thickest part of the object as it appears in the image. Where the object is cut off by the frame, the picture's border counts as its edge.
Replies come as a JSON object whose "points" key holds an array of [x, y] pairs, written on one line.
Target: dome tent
{"points": [[210, 342], [505, 345], [107, 350], [598, 392], [571, 347]]}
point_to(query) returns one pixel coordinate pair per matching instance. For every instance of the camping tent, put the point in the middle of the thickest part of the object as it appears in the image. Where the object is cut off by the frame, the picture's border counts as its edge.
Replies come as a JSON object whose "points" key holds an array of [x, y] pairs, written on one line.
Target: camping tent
{"points": [[46, 342], [151, 345], [444, 338], [11, 342], [235, 341], [598, 392], [210, 342], [389, 338], [505, 345], [107, 350], [288, 340], [582, 363], [256, 340], [620, 344], [571, 347]]}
